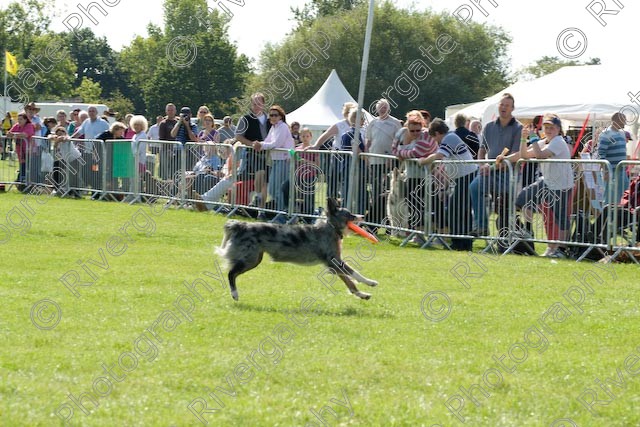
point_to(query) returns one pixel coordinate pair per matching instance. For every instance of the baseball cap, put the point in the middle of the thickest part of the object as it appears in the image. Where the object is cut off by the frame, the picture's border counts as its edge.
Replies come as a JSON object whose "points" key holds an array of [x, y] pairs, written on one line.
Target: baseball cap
{"points": [[551, 119], [185, 110]]}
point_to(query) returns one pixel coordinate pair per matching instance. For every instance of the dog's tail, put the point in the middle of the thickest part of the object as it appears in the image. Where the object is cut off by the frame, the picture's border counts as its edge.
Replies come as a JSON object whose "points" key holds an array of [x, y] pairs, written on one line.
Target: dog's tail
{"points": [[222, 250]]}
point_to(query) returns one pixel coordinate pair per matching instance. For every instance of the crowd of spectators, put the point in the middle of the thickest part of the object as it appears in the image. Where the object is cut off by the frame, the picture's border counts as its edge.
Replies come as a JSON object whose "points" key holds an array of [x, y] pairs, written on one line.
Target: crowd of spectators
{"points": [[263, 173]]}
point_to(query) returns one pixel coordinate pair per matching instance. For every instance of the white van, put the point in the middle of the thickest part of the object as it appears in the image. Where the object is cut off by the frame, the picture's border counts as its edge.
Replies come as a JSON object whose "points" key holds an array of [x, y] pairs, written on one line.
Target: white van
{"points": [[49, 109]]}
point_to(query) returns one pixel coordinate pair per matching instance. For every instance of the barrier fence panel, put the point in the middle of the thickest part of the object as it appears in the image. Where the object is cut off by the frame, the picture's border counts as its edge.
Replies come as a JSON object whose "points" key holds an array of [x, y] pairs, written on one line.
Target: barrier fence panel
{"points": [[61, 168], [9, 162], [449, 202], [278, 182], [248, 186], [374, 175], [209, 183], [67, 167], [121, 173], [625, 230], [563, 207], [161, 175], [81, 160], [131, 170], [468, 200], [307, 194]]}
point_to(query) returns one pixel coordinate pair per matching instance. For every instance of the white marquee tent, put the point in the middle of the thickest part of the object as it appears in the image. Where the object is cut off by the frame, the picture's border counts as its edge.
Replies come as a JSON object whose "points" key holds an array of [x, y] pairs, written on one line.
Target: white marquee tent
{"points": [[571, 92], [325, 107]]}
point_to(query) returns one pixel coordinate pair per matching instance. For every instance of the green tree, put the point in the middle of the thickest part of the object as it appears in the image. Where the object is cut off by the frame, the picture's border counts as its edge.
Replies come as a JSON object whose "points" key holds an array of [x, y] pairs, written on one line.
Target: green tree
{"points": [[89, 91], [549, 64], [22, 21], [139, 62], [417, 59], [191, 62], [319, 8], [120, 103], [96, 60], [44, 75], [24, 32]]}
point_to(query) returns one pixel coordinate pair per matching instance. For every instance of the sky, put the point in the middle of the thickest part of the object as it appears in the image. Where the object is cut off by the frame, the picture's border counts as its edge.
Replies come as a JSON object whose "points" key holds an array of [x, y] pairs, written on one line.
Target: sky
{"points": [[536, 27]]}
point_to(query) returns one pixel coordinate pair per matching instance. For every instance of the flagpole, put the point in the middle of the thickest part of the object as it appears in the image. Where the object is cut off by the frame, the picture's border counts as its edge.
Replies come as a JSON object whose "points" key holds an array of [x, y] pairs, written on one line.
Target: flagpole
{"points": [[5, 87], [355, 142]]}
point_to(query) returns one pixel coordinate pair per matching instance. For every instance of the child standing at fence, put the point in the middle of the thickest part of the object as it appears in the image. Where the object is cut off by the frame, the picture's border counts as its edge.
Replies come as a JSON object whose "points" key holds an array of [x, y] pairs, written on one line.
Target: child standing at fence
{"points": [[306, 173], [551, 193], [66, 165]]}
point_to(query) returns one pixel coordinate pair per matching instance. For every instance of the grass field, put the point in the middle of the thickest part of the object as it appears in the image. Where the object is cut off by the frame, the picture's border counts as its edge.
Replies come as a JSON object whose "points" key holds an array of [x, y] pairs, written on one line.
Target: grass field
{"points": [[146, 347]]}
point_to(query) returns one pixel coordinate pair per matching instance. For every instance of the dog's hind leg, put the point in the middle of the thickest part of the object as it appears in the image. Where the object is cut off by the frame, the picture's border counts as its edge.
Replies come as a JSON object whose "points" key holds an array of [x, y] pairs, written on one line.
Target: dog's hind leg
{"points": [[241, 267]]}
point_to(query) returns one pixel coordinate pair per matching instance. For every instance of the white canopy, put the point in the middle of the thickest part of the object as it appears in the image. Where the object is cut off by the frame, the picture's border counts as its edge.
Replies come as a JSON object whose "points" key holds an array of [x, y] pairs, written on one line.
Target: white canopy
{"points": [[325, 107], [571, 92]]}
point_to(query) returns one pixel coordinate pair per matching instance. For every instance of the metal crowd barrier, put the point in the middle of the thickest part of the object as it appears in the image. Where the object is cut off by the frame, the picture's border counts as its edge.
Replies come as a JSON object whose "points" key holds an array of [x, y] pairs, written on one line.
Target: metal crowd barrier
{"points": [[211, 179], [624, 229], [463, 203], [375, 175], [430, 204], [574, 218], [288, 185], [313, 174], [9, 163]]}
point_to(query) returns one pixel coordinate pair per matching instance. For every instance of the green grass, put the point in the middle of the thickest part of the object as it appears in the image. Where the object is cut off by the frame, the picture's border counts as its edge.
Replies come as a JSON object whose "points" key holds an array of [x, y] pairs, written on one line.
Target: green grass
{"points": [[395, 366]]}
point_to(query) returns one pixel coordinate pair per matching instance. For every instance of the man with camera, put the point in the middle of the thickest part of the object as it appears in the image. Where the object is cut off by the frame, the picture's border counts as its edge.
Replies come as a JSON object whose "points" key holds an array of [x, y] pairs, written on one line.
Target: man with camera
{"points": [[185, 131]]}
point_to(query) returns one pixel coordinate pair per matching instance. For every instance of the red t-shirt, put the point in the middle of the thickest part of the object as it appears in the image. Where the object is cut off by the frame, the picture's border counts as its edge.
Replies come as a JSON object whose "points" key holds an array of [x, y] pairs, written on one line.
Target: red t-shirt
{"points": [[21, 143]]}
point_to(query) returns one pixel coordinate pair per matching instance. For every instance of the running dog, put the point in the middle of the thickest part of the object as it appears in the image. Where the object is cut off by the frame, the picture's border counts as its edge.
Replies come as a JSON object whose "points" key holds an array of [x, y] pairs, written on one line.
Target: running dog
{"points": [[397, 207], [245, 243]]}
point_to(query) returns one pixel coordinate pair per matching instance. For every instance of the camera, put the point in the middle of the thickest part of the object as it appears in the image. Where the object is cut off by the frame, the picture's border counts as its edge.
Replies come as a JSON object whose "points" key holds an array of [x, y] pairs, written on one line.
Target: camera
{"points": [[184, 116]]}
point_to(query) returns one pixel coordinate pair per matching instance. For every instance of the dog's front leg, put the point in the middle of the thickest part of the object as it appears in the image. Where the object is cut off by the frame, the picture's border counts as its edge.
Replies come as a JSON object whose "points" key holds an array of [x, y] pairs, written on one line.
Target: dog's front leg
{"points": [[356, 275], [352, 287], [361, 279]]}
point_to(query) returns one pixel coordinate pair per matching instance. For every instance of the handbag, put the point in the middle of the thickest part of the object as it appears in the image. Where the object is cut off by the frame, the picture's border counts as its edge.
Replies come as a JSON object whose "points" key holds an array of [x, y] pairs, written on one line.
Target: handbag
{"points": [[46, 162]]}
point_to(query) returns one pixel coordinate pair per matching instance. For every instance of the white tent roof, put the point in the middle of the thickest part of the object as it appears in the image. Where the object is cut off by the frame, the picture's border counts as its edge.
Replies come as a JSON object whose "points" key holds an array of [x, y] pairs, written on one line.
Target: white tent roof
{"points": [[325, 107], [571, 92]]}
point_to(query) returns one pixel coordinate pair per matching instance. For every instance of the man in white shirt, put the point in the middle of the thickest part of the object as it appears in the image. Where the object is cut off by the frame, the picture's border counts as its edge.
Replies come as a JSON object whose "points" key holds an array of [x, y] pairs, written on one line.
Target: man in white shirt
{"points": [[154, 135], [379, 138], [90, 128]]}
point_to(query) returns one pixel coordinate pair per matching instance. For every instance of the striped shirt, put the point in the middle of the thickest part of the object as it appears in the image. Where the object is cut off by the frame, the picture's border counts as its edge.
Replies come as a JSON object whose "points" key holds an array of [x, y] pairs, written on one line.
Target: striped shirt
{"points": [[422, 146], [612, 146]]}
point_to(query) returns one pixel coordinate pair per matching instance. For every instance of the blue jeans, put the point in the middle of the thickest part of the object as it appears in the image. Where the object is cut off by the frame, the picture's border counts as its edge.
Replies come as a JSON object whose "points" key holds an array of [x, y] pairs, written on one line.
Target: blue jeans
{"points": [[279, 174], [621, 184], [493, 183]]}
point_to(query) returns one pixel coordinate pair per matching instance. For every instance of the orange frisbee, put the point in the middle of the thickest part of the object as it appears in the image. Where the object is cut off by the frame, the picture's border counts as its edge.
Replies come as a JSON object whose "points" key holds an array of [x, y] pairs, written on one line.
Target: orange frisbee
{"points": [[356, 229]]}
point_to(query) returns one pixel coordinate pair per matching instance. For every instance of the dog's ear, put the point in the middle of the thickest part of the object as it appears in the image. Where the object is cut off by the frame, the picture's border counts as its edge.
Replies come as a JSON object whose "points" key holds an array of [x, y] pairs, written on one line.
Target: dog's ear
{"points": [[332, 205]]}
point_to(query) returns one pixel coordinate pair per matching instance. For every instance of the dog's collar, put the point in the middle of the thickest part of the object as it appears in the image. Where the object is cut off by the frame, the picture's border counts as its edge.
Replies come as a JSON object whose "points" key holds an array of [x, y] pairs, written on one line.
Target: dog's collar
{"points": [[338, 232]]}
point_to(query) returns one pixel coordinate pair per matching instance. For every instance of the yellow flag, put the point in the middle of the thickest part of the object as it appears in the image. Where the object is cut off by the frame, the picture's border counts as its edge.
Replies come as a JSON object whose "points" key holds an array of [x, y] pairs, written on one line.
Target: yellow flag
{"points": [[11, 63]]}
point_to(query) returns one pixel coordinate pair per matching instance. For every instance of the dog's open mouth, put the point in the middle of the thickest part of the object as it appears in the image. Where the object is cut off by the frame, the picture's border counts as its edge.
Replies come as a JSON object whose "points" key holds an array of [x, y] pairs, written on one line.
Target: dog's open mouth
{"points": [[362, 232]]}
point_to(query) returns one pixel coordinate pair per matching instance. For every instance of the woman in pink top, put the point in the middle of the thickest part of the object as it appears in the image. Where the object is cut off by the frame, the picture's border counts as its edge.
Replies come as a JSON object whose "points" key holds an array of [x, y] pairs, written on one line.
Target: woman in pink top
{"points": [[22, 132], [279, 136]]}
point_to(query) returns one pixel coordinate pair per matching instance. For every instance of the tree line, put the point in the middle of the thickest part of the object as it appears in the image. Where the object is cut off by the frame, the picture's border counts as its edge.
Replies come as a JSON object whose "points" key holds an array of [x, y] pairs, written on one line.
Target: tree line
{"points": [[418, 59]]}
